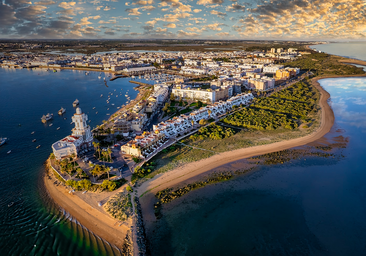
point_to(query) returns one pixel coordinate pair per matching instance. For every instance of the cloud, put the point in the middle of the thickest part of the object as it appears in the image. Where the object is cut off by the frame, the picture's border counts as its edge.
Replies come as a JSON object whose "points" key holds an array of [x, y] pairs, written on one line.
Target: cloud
{"points": [[197, 10], [133, 11], [207, 2], [223, 34], [143, 2], [67, 5], [45, 2], [170, 25], [235, 8], [182, 33], [219, 14], [214, 26]]}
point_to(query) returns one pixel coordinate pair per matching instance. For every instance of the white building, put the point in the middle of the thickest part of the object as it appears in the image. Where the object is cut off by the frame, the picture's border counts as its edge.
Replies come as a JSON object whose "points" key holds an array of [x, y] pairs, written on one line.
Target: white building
{"points": [[81, 138], [272, 69], [181, 124]]}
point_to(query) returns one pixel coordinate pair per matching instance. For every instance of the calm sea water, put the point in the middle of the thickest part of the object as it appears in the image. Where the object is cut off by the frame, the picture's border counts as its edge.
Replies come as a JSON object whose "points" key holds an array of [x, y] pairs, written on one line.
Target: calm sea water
{"points": [[355, 50], [310, 206], [33, 225]]}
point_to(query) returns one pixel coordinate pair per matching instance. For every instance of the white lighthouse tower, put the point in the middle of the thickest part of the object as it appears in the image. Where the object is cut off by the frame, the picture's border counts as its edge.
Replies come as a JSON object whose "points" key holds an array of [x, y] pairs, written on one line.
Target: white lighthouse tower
{"points": [[81, 127], [79, 141]]}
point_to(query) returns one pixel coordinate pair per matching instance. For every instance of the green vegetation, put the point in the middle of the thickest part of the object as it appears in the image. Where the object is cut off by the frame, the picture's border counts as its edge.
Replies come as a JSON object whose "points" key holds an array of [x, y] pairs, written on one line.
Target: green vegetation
{"points": [[79, 185], [259, 119], [141, 172], [285, 109], [324, 64], [283, 156], [119, 206], [213, 131]]}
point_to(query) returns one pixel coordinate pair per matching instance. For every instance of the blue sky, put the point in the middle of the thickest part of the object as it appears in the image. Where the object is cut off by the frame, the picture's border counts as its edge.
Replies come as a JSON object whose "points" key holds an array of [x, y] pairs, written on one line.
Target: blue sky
{"points": [[188, 19]]}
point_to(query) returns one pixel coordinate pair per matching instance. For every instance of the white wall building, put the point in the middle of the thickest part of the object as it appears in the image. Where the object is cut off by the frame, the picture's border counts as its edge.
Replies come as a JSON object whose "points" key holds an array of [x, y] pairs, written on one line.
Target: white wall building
{"points": [[81, 138]]}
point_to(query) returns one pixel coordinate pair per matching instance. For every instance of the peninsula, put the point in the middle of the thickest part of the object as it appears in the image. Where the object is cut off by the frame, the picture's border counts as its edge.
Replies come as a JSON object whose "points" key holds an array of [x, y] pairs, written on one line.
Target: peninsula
{"points": [[233, 106]]}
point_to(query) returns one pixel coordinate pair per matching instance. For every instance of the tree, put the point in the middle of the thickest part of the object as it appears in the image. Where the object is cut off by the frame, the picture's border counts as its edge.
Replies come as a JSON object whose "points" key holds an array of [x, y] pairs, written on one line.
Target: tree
{"points": [[52, 156], [203, 121], [85, 184], [96, 170], [109, 151], [166, 107], [128, 188], [107, 170], [172, 97], [199, 104]]}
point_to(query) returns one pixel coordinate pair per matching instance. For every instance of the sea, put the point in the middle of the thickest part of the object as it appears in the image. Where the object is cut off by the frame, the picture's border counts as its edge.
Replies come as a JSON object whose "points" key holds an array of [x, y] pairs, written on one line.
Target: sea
{"points": [[354, 50], [311, 205], [30, 224]]}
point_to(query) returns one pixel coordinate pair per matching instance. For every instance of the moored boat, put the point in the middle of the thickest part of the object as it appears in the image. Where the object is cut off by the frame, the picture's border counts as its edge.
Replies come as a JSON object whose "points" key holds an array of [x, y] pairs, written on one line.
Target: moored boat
{"points": [[38, 146], [75, 103], [61, 111], [34, 140], [47, 117], [2, 141]]}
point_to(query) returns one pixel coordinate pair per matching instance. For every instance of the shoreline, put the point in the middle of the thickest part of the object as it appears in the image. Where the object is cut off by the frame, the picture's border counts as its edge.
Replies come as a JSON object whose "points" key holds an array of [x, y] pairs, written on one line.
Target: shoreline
{"points": [[92, 218], [169, 179]]}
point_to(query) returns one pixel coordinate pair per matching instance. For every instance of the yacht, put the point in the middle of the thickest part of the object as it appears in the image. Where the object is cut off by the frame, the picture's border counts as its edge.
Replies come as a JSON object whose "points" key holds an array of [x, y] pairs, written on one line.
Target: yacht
{"points": [[38, 146], [2, 141], [75, 103], [61, 111], [47, 117], [32, 132], [93, 107], [34, 140], [58, 128], [51, 124], [101, 95], [8, 152]]}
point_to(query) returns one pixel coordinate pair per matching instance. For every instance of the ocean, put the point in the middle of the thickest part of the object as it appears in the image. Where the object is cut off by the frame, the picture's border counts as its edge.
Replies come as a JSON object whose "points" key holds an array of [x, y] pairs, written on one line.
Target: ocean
{"points": [[354, 50], [33, 225], [311, 205]]}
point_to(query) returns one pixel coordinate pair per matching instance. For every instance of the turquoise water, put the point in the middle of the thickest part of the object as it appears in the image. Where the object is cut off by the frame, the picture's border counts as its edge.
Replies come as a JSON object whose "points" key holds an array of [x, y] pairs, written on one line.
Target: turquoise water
{"points": [[33, 225], [354, 50], [308, 206]]}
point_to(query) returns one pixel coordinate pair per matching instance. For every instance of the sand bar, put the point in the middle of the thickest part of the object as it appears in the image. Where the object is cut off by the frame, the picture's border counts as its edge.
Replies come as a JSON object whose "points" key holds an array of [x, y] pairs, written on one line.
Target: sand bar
{"points": [[87, 214]]}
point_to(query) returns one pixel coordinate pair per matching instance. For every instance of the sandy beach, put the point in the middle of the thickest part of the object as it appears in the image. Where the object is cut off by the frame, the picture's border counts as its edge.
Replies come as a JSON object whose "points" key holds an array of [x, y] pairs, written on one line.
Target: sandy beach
{"points": [[180, 174], [87, 212]]}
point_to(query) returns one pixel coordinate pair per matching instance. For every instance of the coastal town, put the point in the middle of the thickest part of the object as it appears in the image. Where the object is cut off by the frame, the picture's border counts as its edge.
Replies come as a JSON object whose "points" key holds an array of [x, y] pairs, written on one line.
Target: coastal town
{"points": [[204, 86], [182, 96]]}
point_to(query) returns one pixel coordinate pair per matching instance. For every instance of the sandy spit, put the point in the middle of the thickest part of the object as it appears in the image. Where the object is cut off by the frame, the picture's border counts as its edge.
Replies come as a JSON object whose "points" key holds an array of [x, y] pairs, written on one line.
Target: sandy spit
{"points": [[180, 174], [87, 214]]}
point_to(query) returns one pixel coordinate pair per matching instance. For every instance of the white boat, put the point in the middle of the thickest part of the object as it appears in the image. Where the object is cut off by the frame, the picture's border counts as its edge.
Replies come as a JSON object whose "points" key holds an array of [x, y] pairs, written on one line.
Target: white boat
{"points": [[101, 95], [50, 124], [9, 152], [32, 132], [2, 141], [58, 128], [47, 117], [93, 107], [38, 146], [99, 77], [112, 104], [61, 111], [75, 103], [34, 140]]}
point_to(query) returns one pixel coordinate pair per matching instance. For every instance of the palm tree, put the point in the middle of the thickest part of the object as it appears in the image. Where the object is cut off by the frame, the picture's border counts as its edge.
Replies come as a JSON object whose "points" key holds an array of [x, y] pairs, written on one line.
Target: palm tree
{"points": [[109, 151], [73, 155], [107, 170]]}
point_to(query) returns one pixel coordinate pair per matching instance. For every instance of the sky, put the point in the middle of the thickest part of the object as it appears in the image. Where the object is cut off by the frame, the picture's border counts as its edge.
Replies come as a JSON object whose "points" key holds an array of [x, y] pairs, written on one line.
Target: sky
{"points": [[184, 19]]}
